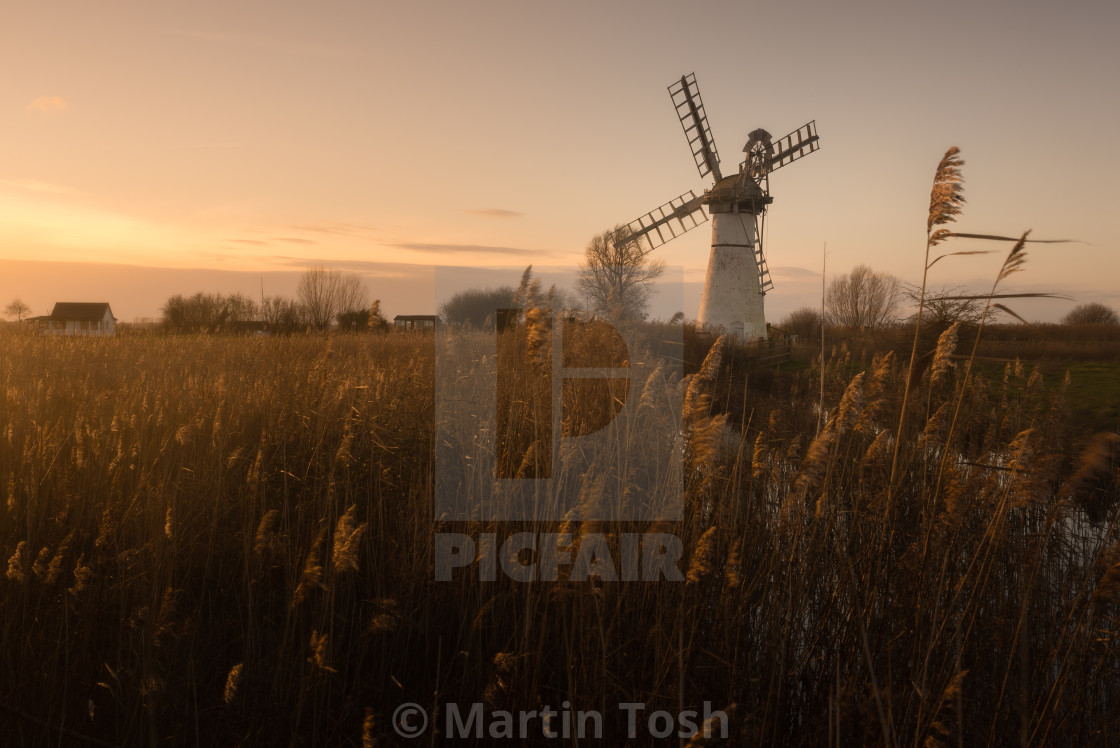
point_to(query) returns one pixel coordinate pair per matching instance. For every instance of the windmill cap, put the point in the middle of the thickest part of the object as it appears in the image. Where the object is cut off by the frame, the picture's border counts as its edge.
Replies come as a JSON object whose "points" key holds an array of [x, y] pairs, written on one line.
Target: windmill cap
{"points": [[757, 136], [736, 193]]}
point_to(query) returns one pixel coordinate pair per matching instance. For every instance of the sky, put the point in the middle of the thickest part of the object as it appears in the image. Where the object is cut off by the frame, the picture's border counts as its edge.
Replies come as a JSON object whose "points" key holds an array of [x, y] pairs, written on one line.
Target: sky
{"points": [[150, 149]]}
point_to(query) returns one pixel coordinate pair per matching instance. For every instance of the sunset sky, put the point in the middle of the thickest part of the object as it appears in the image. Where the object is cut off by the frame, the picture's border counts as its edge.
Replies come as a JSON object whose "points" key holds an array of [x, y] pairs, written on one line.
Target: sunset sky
{"points": [[151, 149]]}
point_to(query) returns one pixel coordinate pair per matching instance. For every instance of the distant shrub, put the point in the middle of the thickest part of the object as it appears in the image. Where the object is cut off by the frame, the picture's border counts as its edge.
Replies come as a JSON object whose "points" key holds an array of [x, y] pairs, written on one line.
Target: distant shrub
{"points": [[476, 306], [1092, 314], [805, 323]]}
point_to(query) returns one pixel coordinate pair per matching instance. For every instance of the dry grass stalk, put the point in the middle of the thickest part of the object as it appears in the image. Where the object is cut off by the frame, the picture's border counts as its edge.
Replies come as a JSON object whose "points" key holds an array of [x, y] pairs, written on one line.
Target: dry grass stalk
{"points": [[347, 537], [697, 397], [15, 563], [732, 568], [42, 562], [320, 652], [878, 450], [312, 575], [82, 575], [875, 393], [54, 569], [851, 404], [702, 556], [758, 457], [946, 199], [942, 357], [933, 435], [233, 681], [368, 726], [651, 391], [266, 540]]}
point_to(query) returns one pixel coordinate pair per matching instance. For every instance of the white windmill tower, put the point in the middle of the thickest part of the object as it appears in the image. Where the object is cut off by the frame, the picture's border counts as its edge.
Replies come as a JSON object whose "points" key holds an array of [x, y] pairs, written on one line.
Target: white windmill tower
{"points": [[737, 278]]}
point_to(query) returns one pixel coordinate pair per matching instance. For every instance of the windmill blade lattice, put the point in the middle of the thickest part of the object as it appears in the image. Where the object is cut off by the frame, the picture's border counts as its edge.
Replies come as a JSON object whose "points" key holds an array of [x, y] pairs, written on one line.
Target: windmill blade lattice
{"points": [[685, 94], [663, 223], [765, 156]]}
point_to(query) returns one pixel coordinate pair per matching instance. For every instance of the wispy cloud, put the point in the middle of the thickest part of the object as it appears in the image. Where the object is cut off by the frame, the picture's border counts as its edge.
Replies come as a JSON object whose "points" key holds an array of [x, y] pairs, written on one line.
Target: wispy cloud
{"points": [[216, 256], [794, 272], [470, 249], [215, 146], [268, 44], [368, 267], [47, 105], [285, 239], [333, 227], [33, 185], [493, 212]]}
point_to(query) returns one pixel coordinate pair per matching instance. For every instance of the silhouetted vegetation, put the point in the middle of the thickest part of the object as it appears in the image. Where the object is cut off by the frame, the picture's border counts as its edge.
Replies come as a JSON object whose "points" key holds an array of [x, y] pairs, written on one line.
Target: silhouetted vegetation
{"points": [[476, 306], [207, 312], [1092, 314], [617, 280], [805, 323], [18, 309], [864, 298], [325, 294]]}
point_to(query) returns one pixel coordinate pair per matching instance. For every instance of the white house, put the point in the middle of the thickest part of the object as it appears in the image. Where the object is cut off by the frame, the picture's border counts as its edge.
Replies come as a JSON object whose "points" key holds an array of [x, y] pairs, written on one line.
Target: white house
{"points": [[78, 318]]}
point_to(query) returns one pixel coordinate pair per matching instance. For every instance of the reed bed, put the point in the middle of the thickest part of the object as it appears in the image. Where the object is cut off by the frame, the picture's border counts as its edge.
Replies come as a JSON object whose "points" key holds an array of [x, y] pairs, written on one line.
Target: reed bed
{"points": [[230, 541]]}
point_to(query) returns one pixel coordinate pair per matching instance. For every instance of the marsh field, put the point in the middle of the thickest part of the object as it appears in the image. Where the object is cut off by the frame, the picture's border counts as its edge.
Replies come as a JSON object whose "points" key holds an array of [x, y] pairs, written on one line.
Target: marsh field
{"points": [[229, 541]]}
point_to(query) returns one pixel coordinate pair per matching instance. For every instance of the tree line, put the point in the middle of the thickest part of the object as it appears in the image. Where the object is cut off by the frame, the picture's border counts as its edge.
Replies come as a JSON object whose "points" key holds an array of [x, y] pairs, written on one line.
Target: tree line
{"points": [[615, 280], [323, 298], [865, 299]]}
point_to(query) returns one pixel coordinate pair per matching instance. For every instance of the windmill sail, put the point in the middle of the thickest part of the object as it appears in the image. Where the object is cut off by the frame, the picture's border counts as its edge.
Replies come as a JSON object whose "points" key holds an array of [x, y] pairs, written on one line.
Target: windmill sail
{"points": [[663, 223], [800, 142], [685, 94]]}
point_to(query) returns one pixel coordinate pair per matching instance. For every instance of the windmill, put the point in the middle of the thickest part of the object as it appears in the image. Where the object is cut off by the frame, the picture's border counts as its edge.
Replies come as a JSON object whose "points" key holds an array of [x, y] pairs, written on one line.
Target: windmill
{"points": [[738, 277]]}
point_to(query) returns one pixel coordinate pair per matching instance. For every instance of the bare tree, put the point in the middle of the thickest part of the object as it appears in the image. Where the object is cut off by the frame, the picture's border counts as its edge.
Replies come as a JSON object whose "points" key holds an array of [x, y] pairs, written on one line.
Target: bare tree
{"points": [[948, 305], [207, 312], [201, 312], [283, 316], [618, 280], [863, 298], [352, 294], [1084, 314], [241, 308], [325, 294], [318, 292], [17, 309]]}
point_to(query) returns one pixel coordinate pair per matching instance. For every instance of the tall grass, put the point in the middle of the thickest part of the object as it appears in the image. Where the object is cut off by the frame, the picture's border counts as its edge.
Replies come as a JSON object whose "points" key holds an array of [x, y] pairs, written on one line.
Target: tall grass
{"points": [[223, 541]]}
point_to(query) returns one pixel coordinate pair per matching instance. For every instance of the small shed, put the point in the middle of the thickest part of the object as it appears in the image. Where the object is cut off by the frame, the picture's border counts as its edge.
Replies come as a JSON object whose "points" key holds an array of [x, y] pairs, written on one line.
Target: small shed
{"points": [[415, 321], [91, 318]]}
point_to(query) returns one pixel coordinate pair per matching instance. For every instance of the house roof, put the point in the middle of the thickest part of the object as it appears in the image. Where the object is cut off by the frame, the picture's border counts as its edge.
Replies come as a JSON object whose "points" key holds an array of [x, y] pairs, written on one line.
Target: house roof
{"points": [[413, 317], [81, 311]]}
